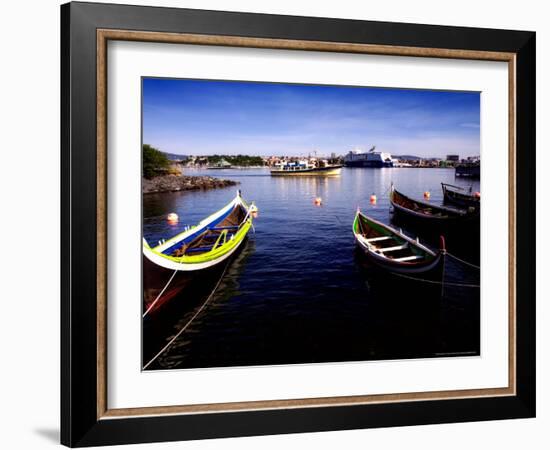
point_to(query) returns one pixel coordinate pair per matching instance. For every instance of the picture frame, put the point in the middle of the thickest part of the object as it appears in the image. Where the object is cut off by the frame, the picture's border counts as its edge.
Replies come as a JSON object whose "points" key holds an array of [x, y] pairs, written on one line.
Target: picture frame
{"points": [[86, 419]]}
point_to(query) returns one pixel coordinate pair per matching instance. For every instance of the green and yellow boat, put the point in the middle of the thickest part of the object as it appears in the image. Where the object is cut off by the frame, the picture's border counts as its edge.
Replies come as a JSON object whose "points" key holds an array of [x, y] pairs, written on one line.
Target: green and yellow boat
{"points": [[200, 250], [209, 243]]}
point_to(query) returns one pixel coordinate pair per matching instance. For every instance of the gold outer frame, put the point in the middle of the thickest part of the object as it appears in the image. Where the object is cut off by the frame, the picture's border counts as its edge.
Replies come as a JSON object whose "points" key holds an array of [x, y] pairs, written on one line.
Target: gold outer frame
{"points": [[103, 36]]}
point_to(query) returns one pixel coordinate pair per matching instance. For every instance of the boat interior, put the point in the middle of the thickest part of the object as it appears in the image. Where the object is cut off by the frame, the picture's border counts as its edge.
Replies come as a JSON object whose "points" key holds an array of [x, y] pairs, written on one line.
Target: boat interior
{"points": [[390, 245], [214, 235], [419, 207], [454, 193]]}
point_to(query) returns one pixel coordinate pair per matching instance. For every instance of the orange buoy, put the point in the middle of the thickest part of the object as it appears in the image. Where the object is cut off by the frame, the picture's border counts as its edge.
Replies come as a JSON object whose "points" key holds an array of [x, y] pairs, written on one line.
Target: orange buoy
{"points": [[427, 195], [477, 194], [253, 210], [318, 201], [373, 199], [172, 218]]}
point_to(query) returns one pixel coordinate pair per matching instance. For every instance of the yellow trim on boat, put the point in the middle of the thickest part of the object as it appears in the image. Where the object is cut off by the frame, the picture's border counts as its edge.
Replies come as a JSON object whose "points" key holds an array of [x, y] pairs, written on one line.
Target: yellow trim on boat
{"points": [[216, 251]]}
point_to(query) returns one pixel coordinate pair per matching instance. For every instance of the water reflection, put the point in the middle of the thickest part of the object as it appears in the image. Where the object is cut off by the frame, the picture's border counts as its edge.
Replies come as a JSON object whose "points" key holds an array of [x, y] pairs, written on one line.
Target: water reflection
{"points": [[297, 292]]}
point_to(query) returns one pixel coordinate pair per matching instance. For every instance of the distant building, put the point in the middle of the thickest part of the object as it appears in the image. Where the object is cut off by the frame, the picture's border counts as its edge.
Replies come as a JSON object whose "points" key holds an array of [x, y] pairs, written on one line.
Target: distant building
{"points": [[454, 158]]}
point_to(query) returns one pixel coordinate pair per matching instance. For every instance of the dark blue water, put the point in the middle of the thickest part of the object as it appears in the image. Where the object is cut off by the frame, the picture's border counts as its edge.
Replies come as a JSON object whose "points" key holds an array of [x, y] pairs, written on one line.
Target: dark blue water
{"points": [[298, 292]]}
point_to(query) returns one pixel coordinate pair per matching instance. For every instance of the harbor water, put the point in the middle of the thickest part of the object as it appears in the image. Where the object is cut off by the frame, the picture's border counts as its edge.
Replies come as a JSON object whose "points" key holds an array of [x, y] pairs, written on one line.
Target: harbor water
{"points": [[298, 291]]}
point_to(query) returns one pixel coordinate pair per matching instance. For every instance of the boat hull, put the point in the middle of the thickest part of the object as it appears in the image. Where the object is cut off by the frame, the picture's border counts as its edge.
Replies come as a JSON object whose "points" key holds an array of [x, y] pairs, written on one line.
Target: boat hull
{"points": [[453, 197], [462, 202], [430, 267], [167, 283], [441, 225], [438, 216], [161, 262]]}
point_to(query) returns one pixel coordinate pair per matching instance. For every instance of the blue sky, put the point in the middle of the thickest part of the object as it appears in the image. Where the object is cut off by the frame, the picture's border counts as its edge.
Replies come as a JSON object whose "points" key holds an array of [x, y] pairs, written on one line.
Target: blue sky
{"points": [[225, 117]]}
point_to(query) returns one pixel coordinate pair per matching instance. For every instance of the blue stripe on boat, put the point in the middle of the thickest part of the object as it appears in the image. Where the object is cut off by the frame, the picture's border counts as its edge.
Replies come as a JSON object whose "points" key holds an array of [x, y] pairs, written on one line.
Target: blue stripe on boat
{"points": [[199, 249], [189, 238]]}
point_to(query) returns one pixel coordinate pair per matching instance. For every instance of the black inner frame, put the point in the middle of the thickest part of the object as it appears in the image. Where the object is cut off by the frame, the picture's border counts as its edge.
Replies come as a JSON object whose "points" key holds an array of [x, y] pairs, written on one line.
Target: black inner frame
{"points": [[79, 424]]}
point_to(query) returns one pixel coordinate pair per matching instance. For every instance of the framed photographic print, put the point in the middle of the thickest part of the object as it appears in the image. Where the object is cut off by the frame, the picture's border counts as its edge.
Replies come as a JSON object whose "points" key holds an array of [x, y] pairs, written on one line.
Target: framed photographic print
{"points": [[277, 224]]}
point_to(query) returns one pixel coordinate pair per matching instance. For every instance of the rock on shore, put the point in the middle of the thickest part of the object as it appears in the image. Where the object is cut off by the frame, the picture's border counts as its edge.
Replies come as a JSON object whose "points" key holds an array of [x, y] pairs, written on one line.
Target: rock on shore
{"points": [[175, 183]]}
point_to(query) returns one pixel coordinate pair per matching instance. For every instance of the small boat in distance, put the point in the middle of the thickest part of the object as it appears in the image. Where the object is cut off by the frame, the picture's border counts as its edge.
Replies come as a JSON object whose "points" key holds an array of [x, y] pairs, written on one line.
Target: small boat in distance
{"points": [[221, 164], [297, 168], [391, 249], [459, 196], [426, 212]]}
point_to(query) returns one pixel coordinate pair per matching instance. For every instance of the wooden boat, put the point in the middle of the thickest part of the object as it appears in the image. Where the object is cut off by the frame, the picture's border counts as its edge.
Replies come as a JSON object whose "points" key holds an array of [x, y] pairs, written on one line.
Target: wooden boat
{"points": [[391, 249], [194, 256], [209, 243], [458, 196], [427, 212]]}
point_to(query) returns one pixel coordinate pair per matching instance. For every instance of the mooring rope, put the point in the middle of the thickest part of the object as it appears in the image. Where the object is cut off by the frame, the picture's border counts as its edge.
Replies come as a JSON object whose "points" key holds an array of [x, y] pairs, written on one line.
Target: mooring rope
{"points": [[437, 282], [463, 262], [179, 333], [160, 295], [444, 255]]}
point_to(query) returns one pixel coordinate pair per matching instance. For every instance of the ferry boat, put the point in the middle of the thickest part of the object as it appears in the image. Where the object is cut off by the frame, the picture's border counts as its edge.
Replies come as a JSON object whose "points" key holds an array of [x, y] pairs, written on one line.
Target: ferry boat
{"points": [[304, 167], [372, 158]]}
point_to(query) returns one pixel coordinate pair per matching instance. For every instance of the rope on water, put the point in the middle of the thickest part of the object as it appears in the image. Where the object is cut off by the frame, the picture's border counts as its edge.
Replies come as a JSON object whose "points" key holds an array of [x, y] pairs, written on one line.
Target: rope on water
{"points": [[463, 262], [437, 282], [179, 333], [160, 295], [386, 191], [338, 219]]}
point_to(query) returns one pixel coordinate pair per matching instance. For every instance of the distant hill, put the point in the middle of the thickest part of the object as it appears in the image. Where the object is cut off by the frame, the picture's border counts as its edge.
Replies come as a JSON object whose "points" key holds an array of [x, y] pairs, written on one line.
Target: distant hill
{"points": [[174, 157]]}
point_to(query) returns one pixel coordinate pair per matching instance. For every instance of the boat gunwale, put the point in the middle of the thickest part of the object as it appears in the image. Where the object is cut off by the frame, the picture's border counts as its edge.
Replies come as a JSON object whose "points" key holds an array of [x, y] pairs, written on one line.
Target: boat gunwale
{"points": [[449, 213], [450, 190]]}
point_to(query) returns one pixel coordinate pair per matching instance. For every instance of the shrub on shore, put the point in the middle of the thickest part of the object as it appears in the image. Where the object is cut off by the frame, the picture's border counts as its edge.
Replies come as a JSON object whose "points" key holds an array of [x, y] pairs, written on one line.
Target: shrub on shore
{"points": [[155, 162]]}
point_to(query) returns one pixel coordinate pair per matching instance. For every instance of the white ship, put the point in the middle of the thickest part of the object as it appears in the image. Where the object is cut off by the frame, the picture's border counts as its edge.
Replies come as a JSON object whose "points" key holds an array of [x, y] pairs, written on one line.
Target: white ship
{"points": [[372, 158]]}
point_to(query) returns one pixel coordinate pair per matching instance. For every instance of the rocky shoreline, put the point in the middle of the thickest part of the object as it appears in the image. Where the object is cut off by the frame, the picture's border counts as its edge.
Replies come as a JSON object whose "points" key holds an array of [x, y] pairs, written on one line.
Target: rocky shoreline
{"points": [[176, 183]]}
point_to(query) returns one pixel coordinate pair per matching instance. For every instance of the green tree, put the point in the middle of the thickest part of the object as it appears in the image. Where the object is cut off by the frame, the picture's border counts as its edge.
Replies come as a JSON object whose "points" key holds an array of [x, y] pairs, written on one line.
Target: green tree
{"points": [[154, 162]]}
